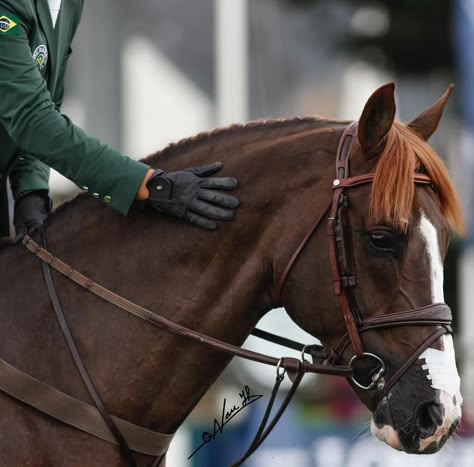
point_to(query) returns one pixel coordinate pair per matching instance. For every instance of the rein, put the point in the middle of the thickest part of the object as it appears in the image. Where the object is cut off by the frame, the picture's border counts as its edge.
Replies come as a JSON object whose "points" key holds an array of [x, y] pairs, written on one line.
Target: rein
{"points": [[294, 367], [289, 364]]}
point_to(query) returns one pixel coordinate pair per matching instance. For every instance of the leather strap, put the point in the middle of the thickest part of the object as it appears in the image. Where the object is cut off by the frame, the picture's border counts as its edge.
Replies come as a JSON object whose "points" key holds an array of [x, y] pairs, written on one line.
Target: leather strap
{"points": [[283, 341], [338, 256], [357, 180], [318, 352], [159, 460], [91, 389], [298, 251], [78, 414], [438, 314], [264, 430], [171, 326]]}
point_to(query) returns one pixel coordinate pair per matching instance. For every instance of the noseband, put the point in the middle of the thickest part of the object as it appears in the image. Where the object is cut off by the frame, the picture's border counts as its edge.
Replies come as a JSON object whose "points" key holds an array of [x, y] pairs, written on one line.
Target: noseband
{"points": [[344, 277]]}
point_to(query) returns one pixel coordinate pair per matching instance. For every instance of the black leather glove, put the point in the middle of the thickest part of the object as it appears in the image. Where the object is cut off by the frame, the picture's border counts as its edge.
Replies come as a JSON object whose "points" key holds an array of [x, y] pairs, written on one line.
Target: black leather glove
{"points": [[31, 211], [192, 195]]}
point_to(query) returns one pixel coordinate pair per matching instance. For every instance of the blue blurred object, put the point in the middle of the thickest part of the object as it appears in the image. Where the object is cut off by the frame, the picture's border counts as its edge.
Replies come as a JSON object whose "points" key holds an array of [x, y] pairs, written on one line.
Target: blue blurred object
{"points": [[304, 441]]}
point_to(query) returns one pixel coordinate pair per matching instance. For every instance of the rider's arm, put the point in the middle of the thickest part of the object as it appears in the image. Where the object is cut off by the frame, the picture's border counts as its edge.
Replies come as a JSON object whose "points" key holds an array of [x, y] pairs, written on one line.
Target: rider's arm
{"points": [[28, 114]]}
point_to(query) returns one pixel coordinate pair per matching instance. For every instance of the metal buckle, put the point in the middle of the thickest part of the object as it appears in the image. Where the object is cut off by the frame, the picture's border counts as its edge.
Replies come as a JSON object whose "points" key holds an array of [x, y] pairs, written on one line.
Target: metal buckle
{"points": [[280, 371], [375, 378]]}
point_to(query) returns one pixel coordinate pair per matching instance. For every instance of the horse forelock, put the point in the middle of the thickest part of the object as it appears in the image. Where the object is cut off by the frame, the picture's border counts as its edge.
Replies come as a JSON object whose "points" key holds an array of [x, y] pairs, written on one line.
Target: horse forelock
{"points": [[393, 189]]}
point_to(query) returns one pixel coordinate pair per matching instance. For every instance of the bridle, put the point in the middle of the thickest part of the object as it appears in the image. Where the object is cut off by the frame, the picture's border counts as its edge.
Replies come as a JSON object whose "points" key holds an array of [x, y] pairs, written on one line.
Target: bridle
{"points": [[344, 279]]}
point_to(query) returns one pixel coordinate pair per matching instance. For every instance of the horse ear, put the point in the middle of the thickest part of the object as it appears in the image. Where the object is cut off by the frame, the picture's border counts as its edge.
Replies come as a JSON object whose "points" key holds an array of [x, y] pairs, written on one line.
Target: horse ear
{"points": [[377, 118], [427, 122]]}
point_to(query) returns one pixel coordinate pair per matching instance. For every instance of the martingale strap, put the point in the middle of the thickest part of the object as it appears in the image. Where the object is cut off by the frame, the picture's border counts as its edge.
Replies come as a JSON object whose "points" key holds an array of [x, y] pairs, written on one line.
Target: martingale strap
{"points": [[86, 379], [266, 428]]}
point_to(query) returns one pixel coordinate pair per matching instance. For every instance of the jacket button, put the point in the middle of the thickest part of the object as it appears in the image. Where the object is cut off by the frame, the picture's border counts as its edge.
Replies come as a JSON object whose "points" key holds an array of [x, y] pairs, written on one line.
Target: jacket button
{"points": [[95, 195], [108, 199], [85, 188]]}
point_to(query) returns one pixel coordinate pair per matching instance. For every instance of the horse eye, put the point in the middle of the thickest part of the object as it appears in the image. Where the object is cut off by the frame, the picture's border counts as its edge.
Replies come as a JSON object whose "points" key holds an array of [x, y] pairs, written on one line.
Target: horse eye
{"points": [[381, 240], [384, 242]]}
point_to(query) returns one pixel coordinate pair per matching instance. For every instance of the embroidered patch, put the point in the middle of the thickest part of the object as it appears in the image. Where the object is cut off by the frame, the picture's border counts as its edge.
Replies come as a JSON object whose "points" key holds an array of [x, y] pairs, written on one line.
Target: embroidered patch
{"points": [[9, 24], [40, 56]]}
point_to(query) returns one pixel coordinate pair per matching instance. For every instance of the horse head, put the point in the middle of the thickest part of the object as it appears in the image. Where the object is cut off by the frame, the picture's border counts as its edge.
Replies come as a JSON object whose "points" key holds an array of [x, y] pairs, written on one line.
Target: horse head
{"points": [[389, 233]]}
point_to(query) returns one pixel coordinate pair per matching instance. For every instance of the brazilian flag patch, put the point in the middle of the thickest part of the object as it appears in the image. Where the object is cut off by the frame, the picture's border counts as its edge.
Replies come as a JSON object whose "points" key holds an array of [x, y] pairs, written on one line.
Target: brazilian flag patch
{"points": [[9, 24]]}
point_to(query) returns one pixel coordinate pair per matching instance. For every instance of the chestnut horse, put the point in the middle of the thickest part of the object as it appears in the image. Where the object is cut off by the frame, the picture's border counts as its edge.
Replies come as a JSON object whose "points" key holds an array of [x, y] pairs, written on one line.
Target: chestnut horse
{"points": [[222, 282]]}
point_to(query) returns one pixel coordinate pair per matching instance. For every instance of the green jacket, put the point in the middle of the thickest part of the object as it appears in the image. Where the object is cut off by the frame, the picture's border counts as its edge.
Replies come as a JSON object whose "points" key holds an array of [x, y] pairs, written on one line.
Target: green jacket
{"points": [[33, 133]]}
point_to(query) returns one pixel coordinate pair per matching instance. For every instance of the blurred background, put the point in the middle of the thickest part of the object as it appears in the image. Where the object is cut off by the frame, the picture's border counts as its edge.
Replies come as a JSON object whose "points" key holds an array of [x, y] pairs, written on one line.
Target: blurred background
{"points": [[148, 73]]}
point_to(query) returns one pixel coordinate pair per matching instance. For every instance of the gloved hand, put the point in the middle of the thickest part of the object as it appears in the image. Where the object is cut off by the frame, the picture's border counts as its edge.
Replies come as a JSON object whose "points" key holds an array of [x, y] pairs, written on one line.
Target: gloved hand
{"points": [[192, 195], [31, 211]]}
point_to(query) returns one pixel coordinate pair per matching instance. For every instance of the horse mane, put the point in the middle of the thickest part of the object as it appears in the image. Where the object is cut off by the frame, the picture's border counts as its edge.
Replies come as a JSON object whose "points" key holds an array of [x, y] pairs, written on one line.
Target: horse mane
{"points": [[205, 136], [393, 188]]}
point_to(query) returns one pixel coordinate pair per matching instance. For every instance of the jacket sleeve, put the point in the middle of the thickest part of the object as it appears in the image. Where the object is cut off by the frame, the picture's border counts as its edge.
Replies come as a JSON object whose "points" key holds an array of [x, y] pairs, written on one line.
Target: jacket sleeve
{"points": [[29, 116], [29, 174]]}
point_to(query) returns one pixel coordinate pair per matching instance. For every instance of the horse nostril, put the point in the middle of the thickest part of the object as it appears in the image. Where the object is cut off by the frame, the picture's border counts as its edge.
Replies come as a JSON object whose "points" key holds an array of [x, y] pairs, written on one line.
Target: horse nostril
{"points": [[429, 416]]}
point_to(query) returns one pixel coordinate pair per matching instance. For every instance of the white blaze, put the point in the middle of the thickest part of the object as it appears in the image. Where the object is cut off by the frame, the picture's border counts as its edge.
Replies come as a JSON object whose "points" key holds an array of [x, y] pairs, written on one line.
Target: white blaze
{"points": [[430, 236], [440, 364]]}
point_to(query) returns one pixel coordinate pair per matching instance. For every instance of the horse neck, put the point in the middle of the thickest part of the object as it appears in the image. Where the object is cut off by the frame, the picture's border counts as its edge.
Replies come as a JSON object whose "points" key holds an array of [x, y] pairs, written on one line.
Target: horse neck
{"points": [[219, 283]]}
